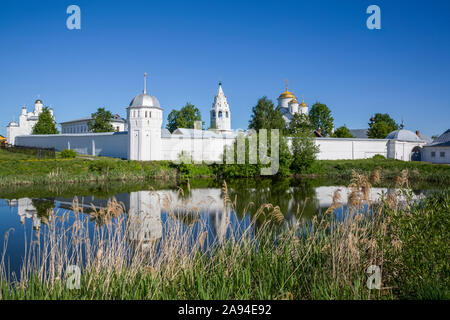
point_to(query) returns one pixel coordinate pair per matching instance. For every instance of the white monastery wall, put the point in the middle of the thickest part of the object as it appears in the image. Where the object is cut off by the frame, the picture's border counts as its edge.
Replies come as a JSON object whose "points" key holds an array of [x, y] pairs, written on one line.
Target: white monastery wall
{"points": [[110, 144], [345, 148], [115, 144], [348, 148], [207, 149]]}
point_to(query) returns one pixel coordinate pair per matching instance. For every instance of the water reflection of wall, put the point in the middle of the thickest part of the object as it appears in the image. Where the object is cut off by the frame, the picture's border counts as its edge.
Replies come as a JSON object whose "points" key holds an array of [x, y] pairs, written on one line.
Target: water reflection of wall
{"points": [[144, 207]]}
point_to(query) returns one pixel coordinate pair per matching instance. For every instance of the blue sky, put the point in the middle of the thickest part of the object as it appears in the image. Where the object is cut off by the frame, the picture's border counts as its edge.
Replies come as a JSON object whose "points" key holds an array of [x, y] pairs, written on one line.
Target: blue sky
{"points": [[323, 47]]}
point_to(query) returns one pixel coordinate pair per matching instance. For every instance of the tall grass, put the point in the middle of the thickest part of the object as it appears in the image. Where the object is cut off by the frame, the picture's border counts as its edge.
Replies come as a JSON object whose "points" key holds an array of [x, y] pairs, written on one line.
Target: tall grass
{"points": [[322, 258]]}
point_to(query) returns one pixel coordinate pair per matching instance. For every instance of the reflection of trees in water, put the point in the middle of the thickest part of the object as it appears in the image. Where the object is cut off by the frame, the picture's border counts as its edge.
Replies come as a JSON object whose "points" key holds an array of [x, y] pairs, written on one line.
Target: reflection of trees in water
{"points": [[187, 218], [305, 202], [291, 196], [44, 208]]}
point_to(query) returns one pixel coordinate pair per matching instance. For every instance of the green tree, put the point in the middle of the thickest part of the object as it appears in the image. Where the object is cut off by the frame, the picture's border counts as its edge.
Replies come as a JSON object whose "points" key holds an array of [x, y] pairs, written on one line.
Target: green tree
{"points": [[266, 116], [304, 151], [320, 116], [45, 124], [101, 121], [381, 125], [343, 132], [248, 170], [300, 122], [183, 118]]}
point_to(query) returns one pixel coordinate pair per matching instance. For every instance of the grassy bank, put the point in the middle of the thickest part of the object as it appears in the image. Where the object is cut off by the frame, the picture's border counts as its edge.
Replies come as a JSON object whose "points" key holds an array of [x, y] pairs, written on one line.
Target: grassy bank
{"points": [[20, 169], [54, 171], [389, 169], [325, 258]]}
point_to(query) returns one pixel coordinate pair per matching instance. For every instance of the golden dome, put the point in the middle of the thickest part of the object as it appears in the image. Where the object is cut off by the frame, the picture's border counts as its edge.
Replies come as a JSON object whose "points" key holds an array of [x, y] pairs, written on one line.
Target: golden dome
{"points": [[38, 101], [303, 104], [293, 101], [287, 94]]}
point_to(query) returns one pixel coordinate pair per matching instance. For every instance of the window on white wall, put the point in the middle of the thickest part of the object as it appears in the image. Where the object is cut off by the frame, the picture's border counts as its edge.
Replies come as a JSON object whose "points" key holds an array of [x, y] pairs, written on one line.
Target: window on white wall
{"points": [[442, 154], [433, 154]]}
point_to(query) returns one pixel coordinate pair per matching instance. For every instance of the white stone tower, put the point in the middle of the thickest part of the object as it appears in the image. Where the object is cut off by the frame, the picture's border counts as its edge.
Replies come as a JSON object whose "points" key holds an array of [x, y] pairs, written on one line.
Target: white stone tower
{"points": [[220, 112], [144, 116]]}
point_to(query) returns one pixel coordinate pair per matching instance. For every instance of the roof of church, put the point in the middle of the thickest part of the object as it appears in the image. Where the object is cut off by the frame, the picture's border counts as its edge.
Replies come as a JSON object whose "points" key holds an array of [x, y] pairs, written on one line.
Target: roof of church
{"points": [[13, 124], [404, 135], [165, 133], [287, 94], [442, 141], [426, 138], [113, 118], [195, 133], [359, 133], [145, 100]]}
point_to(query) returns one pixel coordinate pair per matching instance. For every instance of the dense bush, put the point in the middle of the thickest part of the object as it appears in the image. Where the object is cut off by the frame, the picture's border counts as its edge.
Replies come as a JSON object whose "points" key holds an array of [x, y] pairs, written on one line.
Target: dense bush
{"points": [[248, 170], [304, 152], [419, 255], [378, 157], [66, 153], [188, 169]]}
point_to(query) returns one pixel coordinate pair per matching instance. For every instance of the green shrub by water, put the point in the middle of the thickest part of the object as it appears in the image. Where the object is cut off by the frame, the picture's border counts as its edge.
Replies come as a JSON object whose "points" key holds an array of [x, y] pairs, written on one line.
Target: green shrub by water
{"points": [[417, 242], [67, 154]]}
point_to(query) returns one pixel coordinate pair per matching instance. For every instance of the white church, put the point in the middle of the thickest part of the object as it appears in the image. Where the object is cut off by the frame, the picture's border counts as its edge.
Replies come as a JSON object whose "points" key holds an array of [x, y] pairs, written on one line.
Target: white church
{"points": [[144, 138]]}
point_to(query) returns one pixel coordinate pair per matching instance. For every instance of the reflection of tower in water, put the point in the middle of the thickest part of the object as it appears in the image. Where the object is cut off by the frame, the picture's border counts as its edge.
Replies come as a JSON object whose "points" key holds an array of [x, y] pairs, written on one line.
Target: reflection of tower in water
{"points": [[144, 219], [26, 210]]}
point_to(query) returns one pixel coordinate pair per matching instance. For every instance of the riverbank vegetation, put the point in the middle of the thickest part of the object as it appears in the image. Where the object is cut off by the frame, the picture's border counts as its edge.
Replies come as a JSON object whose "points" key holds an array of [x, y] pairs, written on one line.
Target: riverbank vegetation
{"points": [[321, 258], [23, 169]]}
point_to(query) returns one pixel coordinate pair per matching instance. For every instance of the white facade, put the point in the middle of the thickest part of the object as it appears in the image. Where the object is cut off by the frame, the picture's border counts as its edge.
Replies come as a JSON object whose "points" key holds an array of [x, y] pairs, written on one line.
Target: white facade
{"points": [[27, 120], [220, 112], [81, 125]]}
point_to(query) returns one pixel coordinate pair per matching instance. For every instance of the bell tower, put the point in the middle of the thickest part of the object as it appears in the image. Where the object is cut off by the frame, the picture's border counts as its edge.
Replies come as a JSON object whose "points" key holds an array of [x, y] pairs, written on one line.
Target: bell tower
{"points": [[220, 112]]}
